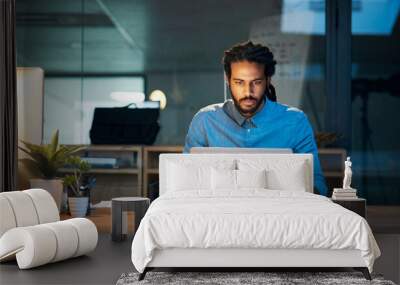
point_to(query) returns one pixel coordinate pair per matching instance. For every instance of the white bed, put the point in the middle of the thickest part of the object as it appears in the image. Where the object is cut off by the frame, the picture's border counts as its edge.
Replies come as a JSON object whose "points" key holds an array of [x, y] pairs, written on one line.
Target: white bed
{"points": [[202, 220]]}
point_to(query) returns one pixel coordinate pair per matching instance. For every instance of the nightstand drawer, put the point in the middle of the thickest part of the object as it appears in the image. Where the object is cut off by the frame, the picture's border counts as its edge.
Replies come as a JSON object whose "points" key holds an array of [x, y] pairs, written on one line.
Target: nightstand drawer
{"points": [[356, 205]]}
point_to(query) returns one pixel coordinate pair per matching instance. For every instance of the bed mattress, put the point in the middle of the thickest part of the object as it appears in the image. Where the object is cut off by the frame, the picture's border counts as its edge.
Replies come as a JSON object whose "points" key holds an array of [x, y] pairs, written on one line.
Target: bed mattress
{"points": [[250, 219]]}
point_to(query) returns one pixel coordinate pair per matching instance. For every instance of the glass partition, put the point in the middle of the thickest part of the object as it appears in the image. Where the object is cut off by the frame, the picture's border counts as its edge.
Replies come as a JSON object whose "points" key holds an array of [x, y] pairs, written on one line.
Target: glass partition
{"points": [[70, 102], [172, 46], [376, 100]]}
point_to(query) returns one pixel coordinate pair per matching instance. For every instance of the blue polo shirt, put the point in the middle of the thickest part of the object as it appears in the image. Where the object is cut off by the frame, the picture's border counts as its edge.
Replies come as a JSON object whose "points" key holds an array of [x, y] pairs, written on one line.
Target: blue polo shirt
{"points": [[273, 126]]}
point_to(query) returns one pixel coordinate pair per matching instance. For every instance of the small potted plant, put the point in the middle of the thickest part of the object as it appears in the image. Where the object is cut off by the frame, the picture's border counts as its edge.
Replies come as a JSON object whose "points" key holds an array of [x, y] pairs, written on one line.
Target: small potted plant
{"points": [[78, 185], [44, 163]]}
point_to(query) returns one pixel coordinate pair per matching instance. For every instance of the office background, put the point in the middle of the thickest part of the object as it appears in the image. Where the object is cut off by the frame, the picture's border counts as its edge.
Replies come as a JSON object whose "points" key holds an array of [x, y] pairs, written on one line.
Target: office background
{"points": [[338, 61]]}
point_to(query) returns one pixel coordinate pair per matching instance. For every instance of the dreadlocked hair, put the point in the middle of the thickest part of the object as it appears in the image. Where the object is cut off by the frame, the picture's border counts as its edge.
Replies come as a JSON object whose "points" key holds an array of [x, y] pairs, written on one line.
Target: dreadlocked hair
{"points": [[253, 53]]}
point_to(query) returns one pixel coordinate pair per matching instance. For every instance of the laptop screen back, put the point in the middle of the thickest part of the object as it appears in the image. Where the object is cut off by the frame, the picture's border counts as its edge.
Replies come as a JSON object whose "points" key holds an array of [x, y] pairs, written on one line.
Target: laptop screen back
{"points": [[238, 150]]}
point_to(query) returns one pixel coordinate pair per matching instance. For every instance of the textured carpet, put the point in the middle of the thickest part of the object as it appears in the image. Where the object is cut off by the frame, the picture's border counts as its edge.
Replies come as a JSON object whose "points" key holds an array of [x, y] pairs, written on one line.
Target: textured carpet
{"points": [[225, 278]]}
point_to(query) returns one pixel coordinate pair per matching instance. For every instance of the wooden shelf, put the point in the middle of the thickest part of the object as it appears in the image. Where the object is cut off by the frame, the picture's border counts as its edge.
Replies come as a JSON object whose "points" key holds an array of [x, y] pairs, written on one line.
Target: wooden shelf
{"points": [[106, 171], [151, 171], [126, 180], [98, 147], [163, 149], [150, 162]]}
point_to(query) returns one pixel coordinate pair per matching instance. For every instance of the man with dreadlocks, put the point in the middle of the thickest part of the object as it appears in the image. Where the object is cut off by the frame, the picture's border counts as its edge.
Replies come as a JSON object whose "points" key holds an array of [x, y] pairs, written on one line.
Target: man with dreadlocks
{"points": [[253, 118]]}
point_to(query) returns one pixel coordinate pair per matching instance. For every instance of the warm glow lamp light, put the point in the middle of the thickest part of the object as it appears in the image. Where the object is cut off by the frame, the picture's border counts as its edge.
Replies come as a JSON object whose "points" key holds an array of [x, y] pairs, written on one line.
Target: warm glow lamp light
{"points": [[158, 95]]}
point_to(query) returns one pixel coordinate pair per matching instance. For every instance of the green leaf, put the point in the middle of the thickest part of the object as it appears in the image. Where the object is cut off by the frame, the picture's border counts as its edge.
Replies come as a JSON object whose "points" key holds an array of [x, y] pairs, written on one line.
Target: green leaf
{"points": [[31, 166], [54, 142], [48, 158]]}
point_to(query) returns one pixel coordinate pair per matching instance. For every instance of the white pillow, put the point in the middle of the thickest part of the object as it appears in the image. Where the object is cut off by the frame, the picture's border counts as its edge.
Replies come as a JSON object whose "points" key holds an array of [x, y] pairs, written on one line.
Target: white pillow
{"points": [[281, 174], [183, 178], [293, 179], [251, 178], [193, 175], [223, 179]]}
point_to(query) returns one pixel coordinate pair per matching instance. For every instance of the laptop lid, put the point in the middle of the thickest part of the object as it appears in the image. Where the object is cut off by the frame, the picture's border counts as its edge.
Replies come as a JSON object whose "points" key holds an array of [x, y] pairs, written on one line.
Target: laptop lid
{"points": [[239, 150]]}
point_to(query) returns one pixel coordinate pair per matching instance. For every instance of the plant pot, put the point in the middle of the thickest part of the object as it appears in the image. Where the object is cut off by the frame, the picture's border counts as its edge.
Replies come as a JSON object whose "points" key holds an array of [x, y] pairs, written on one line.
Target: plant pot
{"points": [[64, 202], [78, 206], [53, 186]]}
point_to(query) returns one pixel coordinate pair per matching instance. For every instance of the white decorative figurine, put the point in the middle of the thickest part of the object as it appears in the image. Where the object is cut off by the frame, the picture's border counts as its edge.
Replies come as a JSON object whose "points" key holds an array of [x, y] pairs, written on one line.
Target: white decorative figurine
{"points": [[347, 174], [347, 192]]}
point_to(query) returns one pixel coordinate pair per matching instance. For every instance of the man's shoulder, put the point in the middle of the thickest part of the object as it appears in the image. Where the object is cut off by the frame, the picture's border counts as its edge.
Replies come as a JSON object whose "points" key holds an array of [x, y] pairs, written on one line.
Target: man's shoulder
{"points": [[290, 112], [210, 110]]}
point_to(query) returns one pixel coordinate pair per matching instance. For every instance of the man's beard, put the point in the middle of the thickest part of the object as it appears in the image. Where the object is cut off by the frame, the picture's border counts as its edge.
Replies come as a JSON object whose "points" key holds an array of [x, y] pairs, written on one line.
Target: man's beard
{"points": [[248, 112]]}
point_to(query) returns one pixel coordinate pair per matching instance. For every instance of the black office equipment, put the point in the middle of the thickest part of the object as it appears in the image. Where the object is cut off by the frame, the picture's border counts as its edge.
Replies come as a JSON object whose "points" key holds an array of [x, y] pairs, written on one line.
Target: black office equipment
{"points": [[124, 125]]}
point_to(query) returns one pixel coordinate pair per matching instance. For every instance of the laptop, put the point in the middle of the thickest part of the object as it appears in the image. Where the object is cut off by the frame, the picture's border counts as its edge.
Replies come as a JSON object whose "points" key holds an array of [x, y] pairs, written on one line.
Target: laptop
{"points": [[239, 150]]}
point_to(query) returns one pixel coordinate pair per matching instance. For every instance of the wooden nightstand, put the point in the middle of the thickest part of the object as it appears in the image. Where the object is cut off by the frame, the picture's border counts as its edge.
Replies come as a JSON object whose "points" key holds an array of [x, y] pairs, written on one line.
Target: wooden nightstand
{"points": [[357, 205]]}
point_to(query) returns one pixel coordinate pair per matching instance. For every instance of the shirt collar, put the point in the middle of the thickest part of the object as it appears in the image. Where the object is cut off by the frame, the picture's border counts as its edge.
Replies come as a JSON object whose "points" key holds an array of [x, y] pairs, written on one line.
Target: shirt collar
{"points": [[231, 110]]}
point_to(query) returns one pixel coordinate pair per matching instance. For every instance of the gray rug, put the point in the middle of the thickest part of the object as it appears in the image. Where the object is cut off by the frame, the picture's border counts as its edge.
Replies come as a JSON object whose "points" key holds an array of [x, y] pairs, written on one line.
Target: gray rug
{"points": [[228, 278]]}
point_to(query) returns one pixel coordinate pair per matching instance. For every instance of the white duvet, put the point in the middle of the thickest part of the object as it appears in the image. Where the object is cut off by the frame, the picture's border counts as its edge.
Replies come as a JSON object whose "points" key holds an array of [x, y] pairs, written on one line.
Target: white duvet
{"points": [[250, 219]]}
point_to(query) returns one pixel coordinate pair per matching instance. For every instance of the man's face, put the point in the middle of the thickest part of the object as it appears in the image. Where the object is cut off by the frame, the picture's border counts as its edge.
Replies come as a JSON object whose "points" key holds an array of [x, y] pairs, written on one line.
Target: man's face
{"points": [[247, 84]]}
